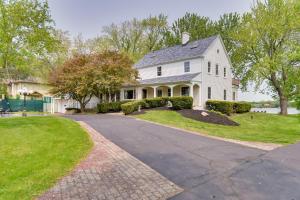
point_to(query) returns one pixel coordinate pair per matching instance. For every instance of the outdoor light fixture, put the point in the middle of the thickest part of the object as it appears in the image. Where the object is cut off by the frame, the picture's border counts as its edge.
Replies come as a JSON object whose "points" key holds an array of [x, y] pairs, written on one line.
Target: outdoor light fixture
{"points": [[25, 92]]}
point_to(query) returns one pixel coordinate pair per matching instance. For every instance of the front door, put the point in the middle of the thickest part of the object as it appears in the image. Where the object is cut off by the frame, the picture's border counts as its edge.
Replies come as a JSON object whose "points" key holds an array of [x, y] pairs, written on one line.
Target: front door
{"points": [[144, 93]]}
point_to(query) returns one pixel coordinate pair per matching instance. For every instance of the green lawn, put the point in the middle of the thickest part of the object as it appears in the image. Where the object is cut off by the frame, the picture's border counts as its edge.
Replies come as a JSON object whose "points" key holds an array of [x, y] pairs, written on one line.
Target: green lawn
{"points": [[262, 128], [36, 151]]}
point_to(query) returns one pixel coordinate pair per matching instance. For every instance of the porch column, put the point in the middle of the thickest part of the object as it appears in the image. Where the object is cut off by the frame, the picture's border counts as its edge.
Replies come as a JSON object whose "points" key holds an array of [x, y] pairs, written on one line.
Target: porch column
{"points": [[171, 89], [139, 93], [109, 97], [191, 90], [122, 94], [154, 91]]}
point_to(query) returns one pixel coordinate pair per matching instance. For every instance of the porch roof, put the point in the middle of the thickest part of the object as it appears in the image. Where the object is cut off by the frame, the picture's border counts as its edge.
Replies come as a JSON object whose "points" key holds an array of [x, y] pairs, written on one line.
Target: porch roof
{"points": [[169, 79]]}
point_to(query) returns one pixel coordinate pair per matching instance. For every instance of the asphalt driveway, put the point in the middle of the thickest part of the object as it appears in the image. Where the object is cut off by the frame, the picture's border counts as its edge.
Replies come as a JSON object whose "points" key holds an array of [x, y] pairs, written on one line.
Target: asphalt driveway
{"points": [[204, 167]]}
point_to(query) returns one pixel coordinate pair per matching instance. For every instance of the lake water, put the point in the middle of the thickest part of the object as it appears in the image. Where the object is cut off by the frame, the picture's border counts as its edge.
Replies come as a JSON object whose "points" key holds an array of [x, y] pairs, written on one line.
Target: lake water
{"points": [[275, 110]]}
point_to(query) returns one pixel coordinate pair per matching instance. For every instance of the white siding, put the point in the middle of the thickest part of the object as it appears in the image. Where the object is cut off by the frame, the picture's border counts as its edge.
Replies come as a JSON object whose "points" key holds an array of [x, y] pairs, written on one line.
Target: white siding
{"points": [[171, 69], [217, 83]]}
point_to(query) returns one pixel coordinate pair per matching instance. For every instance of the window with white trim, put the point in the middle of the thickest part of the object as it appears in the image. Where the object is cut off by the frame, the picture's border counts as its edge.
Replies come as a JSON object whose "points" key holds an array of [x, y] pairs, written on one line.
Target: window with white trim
{"points": [[225, 72], [159, 92], [129, 94], [169, 92], [187, 66], [209, 67], [185, 91], [159, 71], [225, 94], [217, 69], [209, 93]]}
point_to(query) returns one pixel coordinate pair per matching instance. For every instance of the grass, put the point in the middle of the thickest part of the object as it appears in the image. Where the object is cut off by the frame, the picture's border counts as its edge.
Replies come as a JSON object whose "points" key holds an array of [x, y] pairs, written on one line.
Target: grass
{"points": [[36, 151], [263, 127]]}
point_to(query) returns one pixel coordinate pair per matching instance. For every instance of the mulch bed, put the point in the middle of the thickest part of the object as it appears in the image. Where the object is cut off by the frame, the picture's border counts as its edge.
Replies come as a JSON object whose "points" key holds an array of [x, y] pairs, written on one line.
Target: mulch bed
{"points": [[213, 118]]}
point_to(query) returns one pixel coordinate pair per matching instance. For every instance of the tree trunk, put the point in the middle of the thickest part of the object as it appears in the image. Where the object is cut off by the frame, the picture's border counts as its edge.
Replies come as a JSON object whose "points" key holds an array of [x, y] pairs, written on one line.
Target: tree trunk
{"points": [[283, 105], [82, 107]]}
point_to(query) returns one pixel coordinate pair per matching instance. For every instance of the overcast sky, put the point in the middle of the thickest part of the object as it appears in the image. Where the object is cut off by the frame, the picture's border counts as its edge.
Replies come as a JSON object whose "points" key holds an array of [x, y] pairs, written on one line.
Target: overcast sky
{"points": [[88, 16]]}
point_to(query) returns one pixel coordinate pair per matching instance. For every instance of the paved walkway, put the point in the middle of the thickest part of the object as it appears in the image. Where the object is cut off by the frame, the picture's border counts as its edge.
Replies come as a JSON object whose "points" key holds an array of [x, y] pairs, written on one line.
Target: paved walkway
{"points": [[204, 167], [110, 173]]}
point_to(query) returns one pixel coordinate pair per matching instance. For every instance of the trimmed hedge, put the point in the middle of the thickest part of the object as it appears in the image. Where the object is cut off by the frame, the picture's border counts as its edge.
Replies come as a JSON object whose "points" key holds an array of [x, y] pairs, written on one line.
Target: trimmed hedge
{"points": [[156, 102], [227, 107], [241, 107], [179, 103], [75, 110], [110, 107], [132, 106]]}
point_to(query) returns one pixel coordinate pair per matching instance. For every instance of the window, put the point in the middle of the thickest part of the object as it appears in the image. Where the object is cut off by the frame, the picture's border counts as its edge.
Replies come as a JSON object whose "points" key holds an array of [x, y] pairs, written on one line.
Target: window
{"points": [[144, 93], [209, 67], [225, 95], [217, 69], [186, 66], [218, 51], [169, 92], [185, 91], [158, 71], [225, 72], [129, 94], [233, 96], [159, 92], [209, 92]]}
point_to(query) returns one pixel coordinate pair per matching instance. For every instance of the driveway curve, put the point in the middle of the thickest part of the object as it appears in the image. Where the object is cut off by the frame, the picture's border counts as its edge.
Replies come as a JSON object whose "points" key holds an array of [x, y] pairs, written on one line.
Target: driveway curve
{"points": [[205, 168]]}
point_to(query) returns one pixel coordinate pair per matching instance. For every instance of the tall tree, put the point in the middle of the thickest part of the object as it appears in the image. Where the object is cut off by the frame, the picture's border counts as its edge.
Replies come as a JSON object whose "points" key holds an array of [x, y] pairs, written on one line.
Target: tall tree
{"points": [[74, 80], [126, 37], [47, 62], [268, 49], [226, 26], [154, 28], [197, 26], [26, 33], [110, 71], [85, 75]]}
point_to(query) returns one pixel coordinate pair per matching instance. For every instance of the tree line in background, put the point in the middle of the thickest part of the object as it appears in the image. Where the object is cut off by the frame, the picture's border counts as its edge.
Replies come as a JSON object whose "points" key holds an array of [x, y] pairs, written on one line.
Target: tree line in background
{"points": [[264, 43]]}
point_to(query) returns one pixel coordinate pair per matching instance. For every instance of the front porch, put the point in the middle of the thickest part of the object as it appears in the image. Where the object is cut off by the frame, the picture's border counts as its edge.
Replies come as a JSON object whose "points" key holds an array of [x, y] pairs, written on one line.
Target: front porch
{"points": [[163, 90]]}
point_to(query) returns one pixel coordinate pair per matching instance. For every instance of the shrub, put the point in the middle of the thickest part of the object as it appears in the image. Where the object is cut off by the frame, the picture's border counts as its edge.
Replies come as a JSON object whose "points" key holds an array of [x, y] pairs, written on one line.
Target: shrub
{"points": [[156, 102], [103, 107], [132, 106], [179, 103], [110, 107], [225, 107], [91, 110], [241, 107], [76, 110]]}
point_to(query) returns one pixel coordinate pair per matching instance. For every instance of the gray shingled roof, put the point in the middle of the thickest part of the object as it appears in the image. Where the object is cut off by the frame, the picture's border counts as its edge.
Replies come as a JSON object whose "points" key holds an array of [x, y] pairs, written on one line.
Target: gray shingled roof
{"points": [[169, 79], [178, 52]]}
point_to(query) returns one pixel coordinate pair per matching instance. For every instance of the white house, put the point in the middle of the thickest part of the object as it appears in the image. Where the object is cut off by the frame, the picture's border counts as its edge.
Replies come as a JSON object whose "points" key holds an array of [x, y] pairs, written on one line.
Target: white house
{"points": [[200, 69]]}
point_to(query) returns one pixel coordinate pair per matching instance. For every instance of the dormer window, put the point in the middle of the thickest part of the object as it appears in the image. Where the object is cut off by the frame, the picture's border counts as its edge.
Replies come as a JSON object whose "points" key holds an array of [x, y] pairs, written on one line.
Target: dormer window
{"points": [[186, 66], [159, 71], [209, 67], [217, 69]]}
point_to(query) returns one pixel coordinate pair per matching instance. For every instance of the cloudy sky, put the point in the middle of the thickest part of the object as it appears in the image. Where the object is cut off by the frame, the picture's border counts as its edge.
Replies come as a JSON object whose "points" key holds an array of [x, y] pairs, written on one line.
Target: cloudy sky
{"points": [[88, 16]]}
